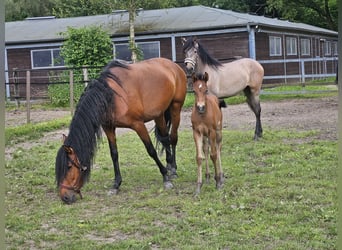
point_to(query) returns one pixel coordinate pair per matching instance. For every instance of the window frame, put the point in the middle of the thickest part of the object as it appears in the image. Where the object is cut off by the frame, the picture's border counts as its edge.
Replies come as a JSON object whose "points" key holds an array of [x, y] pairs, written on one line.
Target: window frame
{"points": [[291, 46], [327, 48], [335, 48], [275, 42], [137, 43], [305, 46], [52, 58]]}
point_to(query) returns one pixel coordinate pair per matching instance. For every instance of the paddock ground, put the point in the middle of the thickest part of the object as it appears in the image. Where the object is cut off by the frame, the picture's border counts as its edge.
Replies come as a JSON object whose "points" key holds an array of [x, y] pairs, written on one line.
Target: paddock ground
{"points": [[319, 114]]}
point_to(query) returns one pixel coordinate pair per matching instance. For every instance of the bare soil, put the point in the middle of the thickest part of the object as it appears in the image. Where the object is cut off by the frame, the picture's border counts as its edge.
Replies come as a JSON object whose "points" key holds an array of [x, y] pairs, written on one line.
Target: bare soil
{"points": [[319, 114]]}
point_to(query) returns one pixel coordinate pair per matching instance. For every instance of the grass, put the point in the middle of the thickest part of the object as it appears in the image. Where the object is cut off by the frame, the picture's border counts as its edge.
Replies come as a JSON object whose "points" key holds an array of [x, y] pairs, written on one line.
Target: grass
{"points": [[311, 90], [280, 193], [31, 131]]}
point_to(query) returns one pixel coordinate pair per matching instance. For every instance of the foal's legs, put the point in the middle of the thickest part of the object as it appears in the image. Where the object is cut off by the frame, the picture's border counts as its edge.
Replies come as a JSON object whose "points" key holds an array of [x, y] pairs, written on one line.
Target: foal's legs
{"points": [[215, 157], [254, 103], [206, 156], [198, 138]]}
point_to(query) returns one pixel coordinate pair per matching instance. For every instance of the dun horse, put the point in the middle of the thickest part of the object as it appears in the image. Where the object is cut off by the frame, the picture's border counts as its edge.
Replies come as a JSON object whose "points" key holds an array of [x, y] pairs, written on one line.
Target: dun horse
{"points": [[123, 96], [227, 79], [206, 121]]}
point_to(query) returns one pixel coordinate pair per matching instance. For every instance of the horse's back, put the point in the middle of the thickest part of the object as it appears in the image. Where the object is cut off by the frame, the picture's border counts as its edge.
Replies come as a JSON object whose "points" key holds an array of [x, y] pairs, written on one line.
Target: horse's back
{"points": [[231, 78], [148, 88]]}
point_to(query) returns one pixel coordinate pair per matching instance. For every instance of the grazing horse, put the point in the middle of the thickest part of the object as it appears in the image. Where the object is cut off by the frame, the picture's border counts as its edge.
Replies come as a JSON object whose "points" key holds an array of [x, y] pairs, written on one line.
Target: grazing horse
{"points": [[123, 96], [227, 79], [206, 119]]}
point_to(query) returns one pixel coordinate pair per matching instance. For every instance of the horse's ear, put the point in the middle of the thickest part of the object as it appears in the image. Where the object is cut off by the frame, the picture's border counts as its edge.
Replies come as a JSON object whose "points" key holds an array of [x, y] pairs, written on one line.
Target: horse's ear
{"points": [[68, 149], [195, 43], [206, 76]]}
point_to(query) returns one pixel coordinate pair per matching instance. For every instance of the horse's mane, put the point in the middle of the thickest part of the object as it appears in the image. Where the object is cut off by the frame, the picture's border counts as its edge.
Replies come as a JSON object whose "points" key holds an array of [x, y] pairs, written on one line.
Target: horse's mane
{"points": [[202, 52], [94, 106]]}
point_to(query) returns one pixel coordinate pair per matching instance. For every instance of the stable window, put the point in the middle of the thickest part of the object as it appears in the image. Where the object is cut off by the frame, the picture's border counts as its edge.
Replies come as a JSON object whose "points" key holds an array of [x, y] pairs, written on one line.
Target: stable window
{"points": [[305, 46], [275, 45], [327, 48], [291, 46], [149, 50], [335, 49], [46, 58]]}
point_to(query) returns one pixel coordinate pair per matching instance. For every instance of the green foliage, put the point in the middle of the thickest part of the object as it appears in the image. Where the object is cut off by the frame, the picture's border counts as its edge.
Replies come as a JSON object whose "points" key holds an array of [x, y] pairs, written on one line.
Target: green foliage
{"points": [[89, 47], [21, 9], [322, 13], [59, 94]]}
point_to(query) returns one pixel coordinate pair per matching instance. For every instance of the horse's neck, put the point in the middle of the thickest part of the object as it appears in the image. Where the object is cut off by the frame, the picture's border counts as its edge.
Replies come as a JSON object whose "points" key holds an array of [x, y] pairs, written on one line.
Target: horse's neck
{"points": [[213, 82]]}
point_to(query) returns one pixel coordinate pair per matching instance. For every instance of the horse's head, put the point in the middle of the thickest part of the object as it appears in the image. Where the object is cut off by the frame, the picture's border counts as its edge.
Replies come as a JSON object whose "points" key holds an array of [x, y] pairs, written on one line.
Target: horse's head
{"points": [[200, 87], [190, 50], [70, 174]]}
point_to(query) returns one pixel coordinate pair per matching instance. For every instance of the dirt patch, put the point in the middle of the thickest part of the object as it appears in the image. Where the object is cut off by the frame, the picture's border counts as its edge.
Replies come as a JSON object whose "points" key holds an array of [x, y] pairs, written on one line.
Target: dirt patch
{"points": [[318, 114]]}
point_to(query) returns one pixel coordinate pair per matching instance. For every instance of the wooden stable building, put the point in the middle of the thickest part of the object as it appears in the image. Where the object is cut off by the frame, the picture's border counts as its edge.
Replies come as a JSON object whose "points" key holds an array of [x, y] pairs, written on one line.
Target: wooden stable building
{"points": [[288, 51]]}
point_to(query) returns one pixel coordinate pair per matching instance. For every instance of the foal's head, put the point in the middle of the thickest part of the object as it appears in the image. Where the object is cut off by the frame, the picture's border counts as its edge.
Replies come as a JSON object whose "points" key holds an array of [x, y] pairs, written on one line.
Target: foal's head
{"points": [[199, 83]]}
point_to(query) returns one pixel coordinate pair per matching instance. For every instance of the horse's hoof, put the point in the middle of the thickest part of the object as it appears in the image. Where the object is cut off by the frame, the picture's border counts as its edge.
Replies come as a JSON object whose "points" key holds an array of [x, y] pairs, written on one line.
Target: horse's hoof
{"points": [[173, 175], [219, 186], [168, 185], [113, 191]]}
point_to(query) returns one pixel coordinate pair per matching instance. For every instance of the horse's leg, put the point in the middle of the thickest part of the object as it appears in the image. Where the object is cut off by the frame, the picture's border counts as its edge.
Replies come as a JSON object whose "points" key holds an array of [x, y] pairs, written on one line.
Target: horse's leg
{"points": [[164, 138], [206, 155], [142, 132], [175, 111], [198, 138], [219, 184], [115, 158], [254, 103], [213, 156]]}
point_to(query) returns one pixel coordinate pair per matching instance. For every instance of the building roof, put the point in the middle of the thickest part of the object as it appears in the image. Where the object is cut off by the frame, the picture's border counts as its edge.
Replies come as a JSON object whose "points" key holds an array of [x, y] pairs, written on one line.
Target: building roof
{"points": [[184, 19]]}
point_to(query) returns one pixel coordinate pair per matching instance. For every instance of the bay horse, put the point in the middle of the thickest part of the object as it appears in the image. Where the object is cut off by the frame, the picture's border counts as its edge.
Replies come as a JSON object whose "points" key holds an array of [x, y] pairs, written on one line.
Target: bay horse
{"points": [[206, 119], [227, 79], [124, 96]]}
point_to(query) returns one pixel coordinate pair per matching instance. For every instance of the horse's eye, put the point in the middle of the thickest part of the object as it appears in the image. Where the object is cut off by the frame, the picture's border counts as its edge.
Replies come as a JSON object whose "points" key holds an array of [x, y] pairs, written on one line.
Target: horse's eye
{"points": [[206, 91]]}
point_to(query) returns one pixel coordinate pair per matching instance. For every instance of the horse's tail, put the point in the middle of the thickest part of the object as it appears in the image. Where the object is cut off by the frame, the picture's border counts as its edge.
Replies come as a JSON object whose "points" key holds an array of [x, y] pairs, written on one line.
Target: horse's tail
{"points": [[163, 140]]}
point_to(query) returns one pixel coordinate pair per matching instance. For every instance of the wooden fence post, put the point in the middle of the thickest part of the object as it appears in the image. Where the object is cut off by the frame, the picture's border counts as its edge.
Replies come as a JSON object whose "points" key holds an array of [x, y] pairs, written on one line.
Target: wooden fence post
{"points": [[71, 80], [85, 76], [28, 95]]}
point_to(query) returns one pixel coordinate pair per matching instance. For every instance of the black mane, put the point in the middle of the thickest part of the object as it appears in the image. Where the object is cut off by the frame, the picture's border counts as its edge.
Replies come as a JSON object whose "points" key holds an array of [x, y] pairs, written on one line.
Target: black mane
{"points": [[93, 109], [202, 52]]}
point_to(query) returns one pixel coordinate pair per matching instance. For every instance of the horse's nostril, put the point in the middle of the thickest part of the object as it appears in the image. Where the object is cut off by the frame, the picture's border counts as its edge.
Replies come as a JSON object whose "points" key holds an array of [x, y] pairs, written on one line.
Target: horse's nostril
{"points": [[69, 199], [201, 109]]}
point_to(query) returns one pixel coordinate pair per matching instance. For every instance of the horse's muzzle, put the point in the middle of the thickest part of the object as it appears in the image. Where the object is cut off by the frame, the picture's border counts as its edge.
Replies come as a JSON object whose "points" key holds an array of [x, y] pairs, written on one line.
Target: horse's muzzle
{"points": [[201, 109], [189, 65]]}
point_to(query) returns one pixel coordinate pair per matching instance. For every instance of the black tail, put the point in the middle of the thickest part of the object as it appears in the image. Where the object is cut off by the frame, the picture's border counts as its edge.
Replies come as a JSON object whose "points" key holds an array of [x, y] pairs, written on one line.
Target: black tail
{"points": [[163, 140]]}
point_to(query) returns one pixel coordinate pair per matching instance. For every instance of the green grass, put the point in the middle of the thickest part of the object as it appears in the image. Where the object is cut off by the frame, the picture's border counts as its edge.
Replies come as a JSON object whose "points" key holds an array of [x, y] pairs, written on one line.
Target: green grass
{"points": [[31, 131], [311, 90], [280, 193]]}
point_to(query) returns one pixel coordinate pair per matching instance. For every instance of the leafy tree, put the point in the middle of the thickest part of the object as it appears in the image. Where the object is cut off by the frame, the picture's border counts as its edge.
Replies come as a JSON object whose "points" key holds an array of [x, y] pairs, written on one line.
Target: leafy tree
{"points": [[89, 46], [21, 9], [74, 8], [322, 13]]}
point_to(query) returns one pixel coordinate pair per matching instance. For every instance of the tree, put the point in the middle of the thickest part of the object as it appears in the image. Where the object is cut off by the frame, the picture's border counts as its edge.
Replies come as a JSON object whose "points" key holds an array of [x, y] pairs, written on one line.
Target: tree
{"points": [[21, 9], [89, 46], [322, 13]]}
